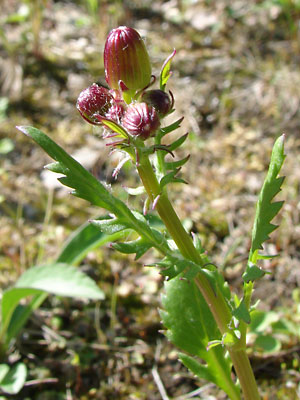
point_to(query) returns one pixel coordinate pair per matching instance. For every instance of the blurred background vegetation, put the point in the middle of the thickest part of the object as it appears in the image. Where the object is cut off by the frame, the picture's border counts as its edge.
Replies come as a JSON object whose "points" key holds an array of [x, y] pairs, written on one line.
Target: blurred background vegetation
{"points": [[237, 82]]}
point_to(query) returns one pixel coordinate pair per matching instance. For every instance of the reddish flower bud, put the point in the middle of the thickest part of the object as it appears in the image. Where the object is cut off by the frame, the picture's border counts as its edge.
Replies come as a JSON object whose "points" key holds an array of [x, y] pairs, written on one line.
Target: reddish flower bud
{"points": [[115, 112], [158, 99], [141, 120], [94, 100], [126, 61]]}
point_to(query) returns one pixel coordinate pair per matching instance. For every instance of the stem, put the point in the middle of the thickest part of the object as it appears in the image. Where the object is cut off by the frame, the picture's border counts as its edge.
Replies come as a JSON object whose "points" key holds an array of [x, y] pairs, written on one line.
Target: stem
{"points": [[245, 374], [215, 300]]}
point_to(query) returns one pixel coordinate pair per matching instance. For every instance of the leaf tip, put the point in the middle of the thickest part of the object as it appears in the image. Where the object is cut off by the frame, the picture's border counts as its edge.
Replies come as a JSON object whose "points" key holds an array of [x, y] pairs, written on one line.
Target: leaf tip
{"points": [[23, 129]]}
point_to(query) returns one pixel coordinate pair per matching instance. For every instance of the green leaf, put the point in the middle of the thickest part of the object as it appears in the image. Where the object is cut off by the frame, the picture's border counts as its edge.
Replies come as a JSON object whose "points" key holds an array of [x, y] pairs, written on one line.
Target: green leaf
{"points": [[4, 368], [165, 71], [252, 273], [85, 239], [242, 313], [191, 326], [177, 164], [77, 177], [173, 146], [110, 226], [267, 344], [265, 208], [59, 279], [6, 146], [115, 127], [261, 320], [170, 177], [89, 188], [170, 128], [138, 246], [13, 381], [21, 314]]}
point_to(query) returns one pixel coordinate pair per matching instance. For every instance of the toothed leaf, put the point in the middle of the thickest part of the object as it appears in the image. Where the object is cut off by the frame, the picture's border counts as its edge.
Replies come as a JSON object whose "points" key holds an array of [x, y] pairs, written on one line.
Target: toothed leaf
{"points": [[265, 209], [191, 326], [87, 187]]}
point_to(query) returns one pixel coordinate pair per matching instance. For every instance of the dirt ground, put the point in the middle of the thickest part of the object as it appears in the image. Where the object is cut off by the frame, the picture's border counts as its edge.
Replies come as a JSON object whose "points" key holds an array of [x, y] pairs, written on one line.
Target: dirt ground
{"points": [[236, 80]]}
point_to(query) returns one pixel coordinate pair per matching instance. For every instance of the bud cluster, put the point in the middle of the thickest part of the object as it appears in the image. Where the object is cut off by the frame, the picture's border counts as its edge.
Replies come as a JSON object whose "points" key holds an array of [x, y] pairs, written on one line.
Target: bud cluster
{"points": [[127, 103]]}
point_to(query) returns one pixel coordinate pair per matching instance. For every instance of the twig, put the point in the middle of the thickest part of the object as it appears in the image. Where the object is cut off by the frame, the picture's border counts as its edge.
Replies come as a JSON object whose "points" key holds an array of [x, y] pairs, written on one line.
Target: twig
{"points": [[159, 384]]}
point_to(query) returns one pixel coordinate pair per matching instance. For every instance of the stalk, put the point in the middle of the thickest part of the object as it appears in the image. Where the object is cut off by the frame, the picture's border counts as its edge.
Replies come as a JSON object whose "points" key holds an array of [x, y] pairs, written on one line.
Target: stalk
{"points": [[215, 301]]}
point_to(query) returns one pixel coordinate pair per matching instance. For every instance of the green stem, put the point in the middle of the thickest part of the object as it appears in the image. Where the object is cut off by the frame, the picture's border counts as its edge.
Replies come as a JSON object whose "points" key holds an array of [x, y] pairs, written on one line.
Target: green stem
{"points": [[245, 374], [215, 300]]}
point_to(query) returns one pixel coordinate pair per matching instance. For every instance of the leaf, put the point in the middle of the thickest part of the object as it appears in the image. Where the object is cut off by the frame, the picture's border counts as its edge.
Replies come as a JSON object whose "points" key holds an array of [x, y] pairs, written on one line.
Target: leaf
{"points": [[4, 368], [242, 313], [121, 132], [170, 128], [177, 164], [59, 279], [267, 344], [265, 208], [165, 71], [138, 246], [170, 177], [85, 239], [262, 320], [252, 273], [191, 326], [89, 188], [13, 381], [173, 146], [6, 146], [110, 226], [77, 177]]}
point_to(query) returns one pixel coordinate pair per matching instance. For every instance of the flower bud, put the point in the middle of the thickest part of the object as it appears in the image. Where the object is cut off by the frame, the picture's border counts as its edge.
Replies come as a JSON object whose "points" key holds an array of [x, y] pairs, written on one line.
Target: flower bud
{"points": [[158, 99], [94, 100], [126, 61], [115, 112], [141, 120]]}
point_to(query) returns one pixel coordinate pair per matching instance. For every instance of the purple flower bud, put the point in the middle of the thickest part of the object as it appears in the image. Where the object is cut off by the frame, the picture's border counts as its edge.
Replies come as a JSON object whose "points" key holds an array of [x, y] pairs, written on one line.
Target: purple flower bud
{"points": [[141, 120], [126, 61], [158, 99], [94, 100]]}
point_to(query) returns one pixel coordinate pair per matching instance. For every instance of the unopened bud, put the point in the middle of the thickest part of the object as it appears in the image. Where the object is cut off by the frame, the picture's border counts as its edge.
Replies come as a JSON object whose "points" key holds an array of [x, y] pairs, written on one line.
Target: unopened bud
{"points": [[126, 61], [95, 100], [158, 99], [115, 113], [141, 120]]}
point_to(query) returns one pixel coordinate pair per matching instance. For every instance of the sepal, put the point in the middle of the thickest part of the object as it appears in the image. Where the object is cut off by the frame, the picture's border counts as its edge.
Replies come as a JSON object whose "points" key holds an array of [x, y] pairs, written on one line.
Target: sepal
{"points": [[165, 73]]}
